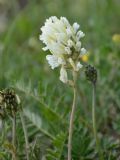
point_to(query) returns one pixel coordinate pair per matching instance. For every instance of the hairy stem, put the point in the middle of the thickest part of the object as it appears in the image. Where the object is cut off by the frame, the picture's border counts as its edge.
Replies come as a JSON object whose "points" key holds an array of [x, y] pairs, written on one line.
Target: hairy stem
{"points": [[94, 122], [72, 118], [3, 132], [26, 136], [14, 137]]}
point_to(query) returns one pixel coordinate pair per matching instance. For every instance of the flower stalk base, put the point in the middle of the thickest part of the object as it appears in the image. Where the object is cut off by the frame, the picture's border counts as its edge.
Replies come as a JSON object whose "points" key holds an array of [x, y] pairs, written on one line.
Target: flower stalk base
{"points": [[25, 135], [72, 118], [94, 122]]}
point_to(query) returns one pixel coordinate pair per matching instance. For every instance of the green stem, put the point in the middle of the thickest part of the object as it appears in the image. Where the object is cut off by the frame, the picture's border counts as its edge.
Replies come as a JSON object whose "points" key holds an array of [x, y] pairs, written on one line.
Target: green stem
{"points": [[14, 137], [72, 118], [94, 122], [26, 136]]}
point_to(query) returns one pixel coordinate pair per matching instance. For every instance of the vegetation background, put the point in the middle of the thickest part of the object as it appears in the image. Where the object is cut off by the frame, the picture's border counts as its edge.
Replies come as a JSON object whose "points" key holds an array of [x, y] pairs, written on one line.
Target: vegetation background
{"points": [[46, 101]]}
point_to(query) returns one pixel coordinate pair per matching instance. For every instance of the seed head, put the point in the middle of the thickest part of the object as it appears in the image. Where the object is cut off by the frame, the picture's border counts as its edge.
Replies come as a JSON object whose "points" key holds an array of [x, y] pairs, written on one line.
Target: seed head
{"points": [[91, 74], [9, 101]]}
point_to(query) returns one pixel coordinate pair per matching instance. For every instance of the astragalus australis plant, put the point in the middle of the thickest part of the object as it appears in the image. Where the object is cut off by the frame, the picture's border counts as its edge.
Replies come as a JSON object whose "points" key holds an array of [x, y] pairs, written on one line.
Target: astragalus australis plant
{"points": [[64, 42]]}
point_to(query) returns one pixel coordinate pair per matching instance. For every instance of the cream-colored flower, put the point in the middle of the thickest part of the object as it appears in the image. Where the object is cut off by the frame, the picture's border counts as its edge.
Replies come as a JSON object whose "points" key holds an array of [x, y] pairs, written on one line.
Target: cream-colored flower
{"points": [[63, 41]]}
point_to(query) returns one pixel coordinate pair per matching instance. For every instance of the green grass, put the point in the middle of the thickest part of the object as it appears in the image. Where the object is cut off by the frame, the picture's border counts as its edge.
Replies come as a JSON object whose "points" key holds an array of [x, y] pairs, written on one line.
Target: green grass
{"points": [[45, 100]]}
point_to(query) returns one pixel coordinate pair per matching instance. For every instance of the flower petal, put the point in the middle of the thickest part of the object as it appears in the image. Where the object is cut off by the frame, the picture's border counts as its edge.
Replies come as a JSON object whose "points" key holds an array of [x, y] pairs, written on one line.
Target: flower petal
{"points": [[80, 34], [76, 26], [83, 51], [78, 66], [63, 75], [53, 61], [78, 46]]}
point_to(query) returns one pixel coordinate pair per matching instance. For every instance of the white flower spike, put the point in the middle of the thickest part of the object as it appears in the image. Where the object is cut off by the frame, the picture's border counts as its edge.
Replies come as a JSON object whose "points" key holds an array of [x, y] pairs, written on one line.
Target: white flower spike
{"points": [[64, 42]]}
